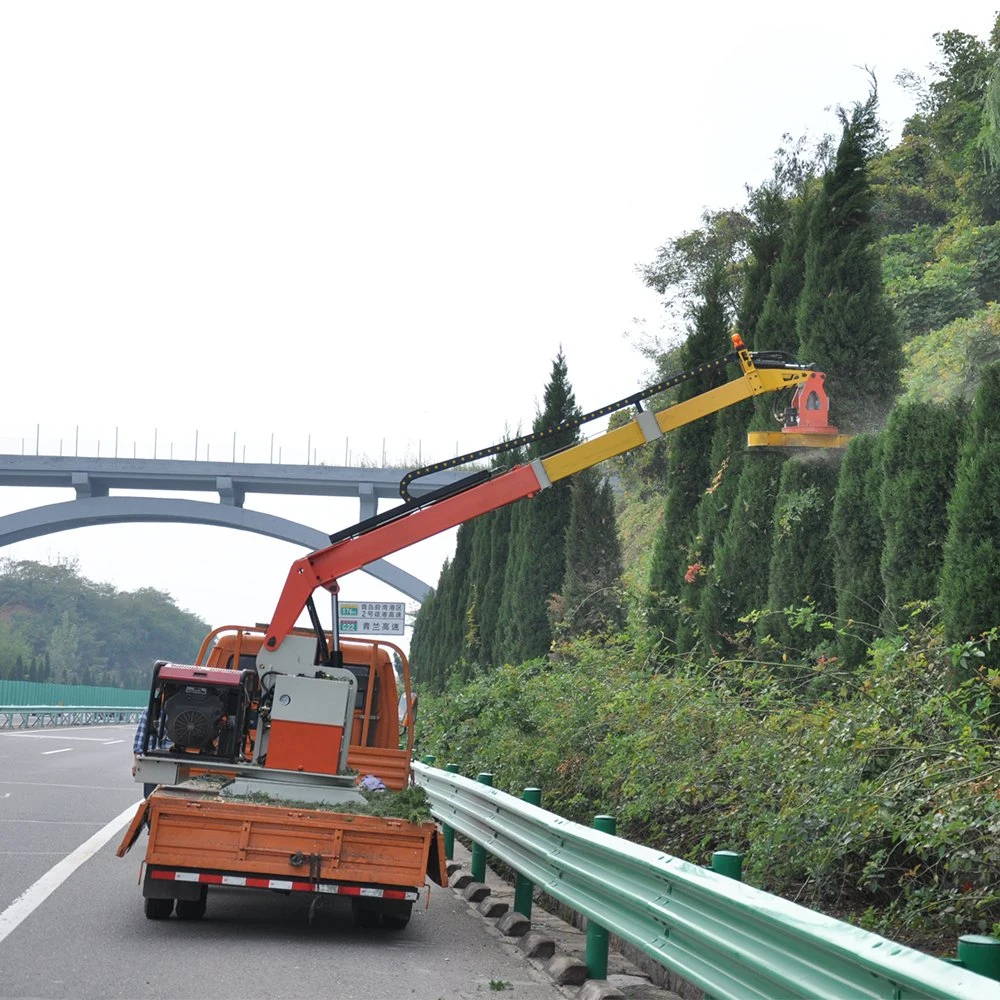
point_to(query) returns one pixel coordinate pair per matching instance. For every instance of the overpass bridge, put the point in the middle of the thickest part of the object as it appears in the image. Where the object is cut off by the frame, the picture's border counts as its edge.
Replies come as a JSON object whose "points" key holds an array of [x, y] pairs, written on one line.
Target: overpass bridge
{"points": [[94, 479]]}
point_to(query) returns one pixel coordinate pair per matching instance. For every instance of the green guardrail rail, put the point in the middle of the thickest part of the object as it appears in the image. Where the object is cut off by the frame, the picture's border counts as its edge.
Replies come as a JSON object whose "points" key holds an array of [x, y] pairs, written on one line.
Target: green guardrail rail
{"points": [[731, 940]]}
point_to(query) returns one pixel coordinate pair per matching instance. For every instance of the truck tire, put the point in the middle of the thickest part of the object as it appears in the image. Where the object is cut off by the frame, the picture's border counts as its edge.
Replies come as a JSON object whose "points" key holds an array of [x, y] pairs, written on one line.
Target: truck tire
{"points": [[157, 909], [192, 909], [394, 923], [366, 914], [395, 916]]}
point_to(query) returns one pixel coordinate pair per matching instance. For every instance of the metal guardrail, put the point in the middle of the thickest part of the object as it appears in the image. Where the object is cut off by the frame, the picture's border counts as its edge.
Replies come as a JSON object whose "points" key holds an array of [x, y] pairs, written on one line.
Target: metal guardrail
{"points": [[48, 716], [733, 941]]}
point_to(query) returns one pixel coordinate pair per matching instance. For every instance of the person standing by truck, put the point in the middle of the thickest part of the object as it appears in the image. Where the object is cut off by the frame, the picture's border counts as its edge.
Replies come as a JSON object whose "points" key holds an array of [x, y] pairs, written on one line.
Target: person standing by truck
{"points": [[139, 745]]}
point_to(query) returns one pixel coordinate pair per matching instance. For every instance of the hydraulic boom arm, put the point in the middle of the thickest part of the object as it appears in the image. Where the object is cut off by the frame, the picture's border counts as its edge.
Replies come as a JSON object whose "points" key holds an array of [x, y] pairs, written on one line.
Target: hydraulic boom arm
{"points": [[324, 567]]}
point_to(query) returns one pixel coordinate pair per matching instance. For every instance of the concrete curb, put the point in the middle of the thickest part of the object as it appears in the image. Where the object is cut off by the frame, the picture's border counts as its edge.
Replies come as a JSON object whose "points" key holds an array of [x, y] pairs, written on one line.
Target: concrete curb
{"points": [[553, 946]]}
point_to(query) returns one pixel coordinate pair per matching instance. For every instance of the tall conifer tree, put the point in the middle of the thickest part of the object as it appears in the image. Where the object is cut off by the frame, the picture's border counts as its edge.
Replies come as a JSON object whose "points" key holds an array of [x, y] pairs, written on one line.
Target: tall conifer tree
{"points": [[769, 214], [738, 582], [486, 572], [456, 599], [920, 449], [857, 536], [490, 622], [536, 562], [845, 323], [688, 471], [801, 565], [591, 599], [970, 577]]}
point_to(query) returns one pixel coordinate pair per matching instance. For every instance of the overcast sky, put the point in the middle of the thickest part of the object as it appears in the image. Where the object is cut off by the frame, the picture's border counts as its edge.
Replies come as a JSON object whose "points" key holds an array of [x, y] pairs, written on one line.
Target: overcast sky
{"points": [[368, 226]]}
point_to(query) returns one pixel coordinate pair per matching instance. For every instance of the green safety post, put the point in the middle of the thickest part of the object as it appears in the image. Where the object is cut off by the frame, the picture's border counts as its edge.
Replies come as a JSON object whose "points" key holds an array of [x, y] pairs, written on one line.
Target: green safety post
{"points": [[478, 864], [447, 831], [428, 759], [523, 888], [597, 937], [980, 953], [728, 863]]}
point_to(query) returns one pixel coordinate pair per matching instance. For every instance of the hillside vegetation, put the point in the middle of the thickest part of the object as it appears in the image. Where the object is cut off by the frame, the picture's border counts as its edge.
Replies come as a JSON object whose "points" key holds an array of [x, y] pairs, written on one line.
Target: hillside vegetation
{"points": [[793, 656], [56, 625]]}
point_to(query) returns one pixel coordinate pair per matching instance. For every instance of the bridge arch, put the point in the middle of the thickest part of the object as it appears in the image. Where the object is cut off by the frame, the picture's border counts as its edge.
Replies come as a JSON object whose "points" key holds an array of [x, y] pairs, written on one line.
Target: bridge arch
{"points": [[83, 513]]}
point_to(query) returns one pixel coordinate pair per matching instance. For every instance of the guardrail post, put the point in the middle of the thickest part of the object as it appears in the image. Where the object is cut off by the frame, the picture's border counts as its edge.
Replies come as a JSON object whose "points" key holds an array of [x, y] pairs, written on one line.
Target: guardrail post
{"points": [[729, 863], [980, 953], [523, 888], [428, 759], [596, 956], [478, 863], [447, 831]]}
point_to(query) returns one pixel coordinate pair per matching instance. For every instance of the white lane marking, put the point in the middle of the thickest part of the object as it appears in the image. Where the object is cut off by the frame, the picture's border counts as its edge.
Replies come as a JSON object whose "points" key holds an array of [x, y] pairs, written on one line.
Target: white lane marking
{"points": [[73, 729], [60, 784], [31, 854], [65, 739], [35, 895], [6, 795], [50, 822], [108, 743], [45, 753]]}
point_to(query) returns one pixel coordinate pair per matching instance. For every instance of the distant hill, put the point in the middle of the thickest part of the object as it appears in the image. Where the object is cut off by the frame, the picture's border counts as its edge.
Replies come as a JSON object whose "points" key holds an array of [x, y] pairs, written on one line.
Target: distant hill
{"points": [[56, 625]]}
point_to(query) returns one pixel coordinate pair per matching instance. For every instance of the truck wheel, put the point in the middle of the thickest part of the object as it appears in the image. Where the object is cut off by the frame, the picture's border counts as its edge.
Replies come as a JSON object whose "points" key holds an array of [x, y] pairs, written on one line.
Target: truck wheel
{"points": [[157, 909], [395, 916], [365, 914], [192, 909]]}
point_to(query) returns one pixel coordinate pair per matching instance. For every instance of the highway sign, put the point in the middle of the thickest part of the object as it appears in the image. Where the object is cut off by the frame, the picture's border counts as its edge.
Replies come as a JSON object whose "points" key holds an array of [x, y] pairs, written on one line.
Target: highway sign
{"points": [[372, 617]]}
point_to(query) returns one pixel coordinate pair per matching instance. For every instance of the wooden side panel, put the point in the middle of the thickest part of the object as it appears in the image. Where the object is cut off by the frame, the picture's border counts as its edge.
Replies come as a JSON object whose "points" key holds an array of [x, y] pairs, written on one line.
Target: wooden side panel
{"points": [[437, 864], [392, 766], [255, 839], [132, 833]]}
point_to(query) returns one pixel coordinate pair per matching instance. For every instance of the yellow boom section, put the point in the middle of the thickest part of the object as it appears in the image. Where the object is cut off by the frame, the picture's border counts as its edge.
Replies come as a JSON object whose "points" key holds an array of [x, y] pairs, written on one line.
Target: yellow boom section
{"points": [[754, 382]]}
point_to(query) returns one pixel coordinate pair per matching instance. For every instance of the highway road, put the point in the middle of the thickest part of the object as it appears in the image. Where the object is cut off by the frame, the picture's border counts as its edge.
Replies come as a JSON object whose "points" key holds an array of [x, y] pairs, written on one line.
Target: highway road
{"points": [[72, 923]]}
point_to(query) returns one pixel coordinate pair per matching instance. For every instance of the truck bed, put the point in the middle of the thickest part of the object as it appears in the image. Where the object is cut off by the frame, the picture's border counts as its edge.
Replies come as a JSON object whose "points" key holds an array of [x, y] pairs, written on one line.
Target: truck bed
{"points": [[202, 831]]}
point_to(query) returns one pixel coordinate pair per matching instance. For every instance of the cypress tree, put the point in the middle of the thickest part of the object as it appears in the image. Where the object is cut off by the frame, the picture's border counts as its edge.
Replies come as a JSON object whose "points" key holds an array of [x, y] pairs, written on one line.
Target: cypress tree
{"points": [[970, 577], [688, 470], [456, 600], [479, 572], [768, 231], [536, 561], [777, 327], [920, 450], [486, 572], [770, 215], [858, 537], [738, 581], [490, 632], [801, 565], [845, 322], [590, 599], [423, 661]]}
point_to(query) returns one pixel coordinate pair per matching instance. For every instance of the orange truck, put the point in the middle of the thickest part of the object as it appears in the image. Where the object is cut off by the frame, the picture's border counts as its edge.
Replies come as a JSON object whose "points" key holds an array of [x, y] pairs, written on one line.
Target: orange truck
{"points": [[259, 746], [254, 770]]}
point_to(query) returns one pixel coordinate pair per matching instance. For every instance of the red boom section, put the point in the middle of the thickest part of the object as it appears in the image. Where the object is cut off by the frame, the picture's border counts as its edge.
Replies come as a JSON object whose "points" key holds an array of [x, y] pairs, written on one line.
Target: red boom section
{"points": [[325, 567]]}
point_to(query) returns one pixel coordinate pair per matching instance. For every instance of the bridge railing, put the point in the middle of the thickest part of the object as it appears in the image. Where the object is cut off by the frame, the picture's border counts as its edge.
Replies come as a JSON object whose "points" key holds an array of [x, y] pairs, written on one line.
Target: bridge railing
{"points": [[731, 940], [49, 716]]}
